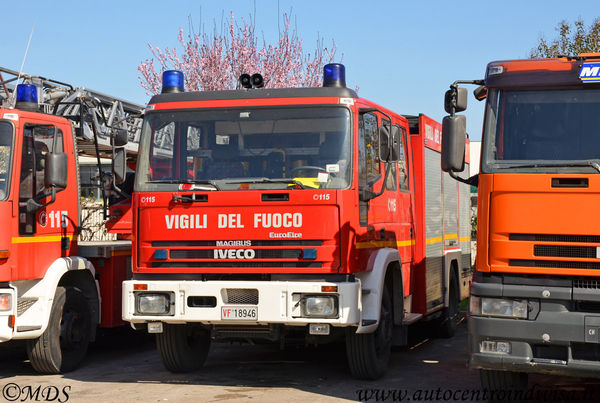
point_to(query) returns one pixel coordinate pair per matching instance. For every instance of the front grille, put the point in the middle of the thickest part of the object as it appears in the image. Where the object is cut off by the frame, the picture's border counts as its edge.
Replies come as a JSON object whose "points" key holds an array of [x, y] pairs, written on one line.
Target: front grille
{"points": [[585, 351], [184, 244], [213, 264], [202, 301], [280, 253], [265, 332], [588, 284], [587, 306], [240, 296], [558, 353], [565, 251], [555, 238], [554, 264], [23, 304], [258, 254]]}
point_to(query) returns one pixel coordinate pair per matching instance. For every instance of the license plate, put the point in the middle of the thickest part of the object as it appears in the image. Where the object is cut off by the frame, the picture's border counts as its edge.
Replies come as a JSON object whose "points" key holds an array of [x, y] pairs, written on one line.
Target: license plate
{"points": [[239, 313]]}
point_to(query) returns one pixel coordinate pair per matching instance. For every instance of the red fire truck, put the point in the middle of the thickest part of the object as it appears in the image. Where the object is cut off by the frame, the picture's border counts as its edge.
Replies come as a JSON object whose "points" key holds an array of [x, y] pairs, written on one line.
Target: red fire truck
{"points": [[54, 290], [535, 300], [280, 214]]}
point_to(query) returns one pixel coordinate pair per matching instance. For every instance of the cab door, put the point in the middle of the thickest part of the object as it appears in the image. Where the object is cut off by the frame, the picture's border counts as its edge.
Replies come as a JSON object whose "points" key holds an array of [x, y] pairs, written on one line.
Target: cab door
{"points": [[44, 233]]}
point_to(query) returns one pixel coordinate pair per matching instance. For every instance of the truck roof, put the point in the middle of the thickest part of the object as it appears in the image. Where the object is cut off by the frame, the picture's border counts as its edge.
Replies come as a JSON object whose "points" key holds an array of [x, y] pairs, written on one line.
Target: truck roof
{"points": [[559, 71], [254, 94]]}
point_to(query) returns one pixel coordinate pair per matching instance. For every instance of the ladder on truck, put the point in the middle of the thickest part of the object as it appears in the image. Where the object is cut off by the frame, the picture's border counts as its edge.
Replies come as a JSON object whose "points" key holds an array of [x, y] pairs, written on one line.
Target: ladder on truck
{"points": [[94, 115]]}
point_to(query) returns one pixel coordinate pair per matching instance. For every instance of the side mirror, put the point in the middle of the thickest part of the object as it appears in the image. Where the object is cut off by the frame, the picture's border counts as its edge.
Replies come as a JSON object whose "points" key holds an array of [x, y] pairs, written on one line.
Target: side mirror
{"points": [[55, 174], [480, 93], [396, 141], [455, 98], [384, 143], [454, 132], [119, 137], [119, 165]]}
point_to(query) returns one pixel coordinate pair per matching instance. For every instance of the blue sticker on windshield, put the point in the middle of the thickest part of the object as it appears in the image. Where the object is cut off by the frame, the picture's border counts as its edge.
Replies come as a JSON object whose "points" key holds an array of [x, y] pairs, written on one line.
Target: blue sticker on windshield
{"points": [[590, 72]]}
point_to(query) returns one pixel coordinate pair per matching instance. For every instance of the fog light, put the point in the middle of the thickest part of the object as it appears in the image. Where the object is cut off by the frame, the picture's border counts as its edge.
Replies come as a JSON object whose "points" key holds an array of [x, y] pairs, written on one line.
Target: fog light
{"points": [[155, 327], [495, 347], [321, 329], [153, 304], [5, 302], [504, 307], [319, 306]]}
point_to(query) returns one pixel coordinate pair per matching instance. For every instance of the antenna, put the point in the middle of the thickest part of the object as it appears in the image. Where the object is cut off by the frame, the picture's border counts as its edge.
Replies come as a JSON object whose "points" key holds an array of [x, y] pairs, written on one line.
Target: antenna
{"points": [[24, 57]]}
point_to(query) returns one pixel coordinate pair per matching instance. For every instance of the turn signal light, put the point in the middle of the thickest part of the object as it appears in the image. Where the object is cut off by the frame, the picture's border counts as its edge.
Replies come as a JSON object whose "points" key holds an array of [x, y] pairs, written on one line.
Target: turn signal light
{"points": [[4, 254], [5, 303], [140, 287], [329, 288]]}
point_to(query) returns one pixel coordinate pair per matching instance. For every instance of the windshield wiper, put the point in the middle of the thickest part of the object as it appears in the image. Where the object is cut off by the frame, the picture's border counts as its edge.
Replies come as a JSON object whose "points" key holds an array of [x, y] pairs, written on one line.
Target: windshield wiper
{"points": [[269, 180], [213, 184], [566, 164]]}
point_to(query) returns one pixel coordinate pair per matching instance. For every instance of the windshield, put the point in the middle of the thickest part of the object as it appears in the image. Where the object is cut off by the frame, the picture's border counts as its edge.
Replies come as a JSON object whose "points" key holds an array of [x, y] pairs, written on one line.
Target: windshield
{"points": [[252, 148], [541, 130], [6, 142]]}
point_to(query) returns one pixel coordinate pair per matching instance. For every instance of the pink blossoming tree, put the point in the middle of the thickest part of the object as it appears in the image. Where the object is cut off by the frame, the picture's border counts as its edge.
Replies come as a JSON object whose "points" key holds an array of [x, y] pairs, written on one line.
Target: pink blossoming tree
{"points": [[215, 62]]}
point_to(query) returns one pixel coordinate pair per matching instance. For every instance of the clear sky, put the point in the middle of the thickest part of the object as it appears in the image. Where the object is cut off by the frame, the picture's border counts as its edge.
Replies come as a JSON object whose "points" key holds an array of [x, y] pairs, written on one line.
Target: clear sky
{"points": [[401, 54]]}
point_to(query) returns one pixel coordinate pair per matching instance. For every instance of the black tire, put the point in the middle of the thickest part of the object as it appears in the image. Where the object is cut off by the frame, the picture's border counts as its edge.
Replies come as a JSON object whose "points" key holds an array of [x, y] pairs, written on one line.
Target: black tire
{"points": [[505, 384], [183, 348], [369, 354], [451, 316], [64, 344]]}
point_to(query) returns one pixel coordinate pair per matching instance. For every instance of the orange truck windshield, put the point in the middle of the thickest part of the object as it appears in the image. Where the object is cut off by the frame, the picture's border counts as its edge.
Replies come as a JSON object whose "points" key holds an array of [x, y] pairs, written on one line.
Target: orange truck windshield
{"points": [[249, 148], [539, 130]]}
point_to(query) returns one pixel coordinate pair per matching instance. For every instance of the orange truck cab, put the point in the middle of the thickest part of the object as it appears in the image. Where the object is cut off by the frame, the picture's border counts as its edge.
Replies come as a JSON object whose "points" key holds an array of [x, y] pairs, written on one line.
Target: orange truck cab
{"points": [[535, 300]]}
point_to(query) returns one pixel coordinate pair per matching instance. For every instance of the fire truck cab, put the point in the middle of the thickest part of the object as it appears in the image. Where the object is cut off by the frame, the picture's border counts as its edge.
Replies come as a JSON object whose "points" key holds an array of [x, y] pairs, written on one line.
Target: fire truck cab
{"points": [[54, 290], [283, 214]]}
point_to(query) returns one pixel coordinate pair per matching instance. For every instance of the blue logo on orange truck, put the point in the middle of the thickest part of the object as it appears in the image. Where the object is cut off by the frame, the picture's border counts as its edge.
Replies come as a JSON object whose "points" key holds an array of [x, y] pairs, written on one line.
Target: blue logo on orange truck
{"points": [[590, 72]]}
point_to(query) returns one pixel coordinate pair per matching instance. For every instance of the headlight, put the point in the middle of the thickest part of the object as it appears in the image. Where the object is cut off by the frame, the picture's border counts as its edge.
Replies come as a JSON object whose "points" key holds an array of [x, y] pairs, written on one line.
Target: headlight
{"points": [[5, 302], [153, 303], [500, 307], [319, 306]]}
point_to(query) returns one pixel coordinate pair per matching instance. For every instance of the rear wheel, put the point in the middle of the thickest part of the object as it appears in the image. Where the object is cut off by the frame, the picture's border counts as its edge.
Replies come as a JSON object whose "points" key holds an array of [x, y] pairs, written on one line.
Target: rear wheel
{"points": [[63, 345], [369, 354], [502, 382], [451, 315], [183, 348]]}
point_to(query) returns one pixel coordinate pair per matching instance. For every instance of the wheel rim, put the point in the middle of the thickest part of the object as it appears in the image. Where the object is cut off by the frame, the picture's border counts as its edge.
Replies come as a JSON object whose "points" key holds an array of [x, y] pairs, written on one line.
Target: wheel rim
{"points": [[72, 330], [383, 334], [194, 337]]}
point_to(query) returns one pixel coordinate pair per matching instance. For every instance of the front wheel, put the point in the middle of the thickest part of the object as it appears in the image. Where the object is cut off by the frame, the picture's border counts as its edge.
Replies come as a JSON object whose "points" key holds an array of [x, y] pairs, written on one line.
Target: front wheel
{"points": [[63, 345], [183, 348], [369, 354]]}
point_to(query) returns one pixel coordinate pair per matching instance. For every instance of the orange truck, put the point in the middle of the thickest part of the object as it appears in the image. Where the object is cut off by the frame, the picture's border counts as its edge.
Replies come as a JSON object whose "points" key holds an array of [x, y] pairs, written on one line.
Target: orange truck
{"points": [[535, 299], [56, 288]]}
